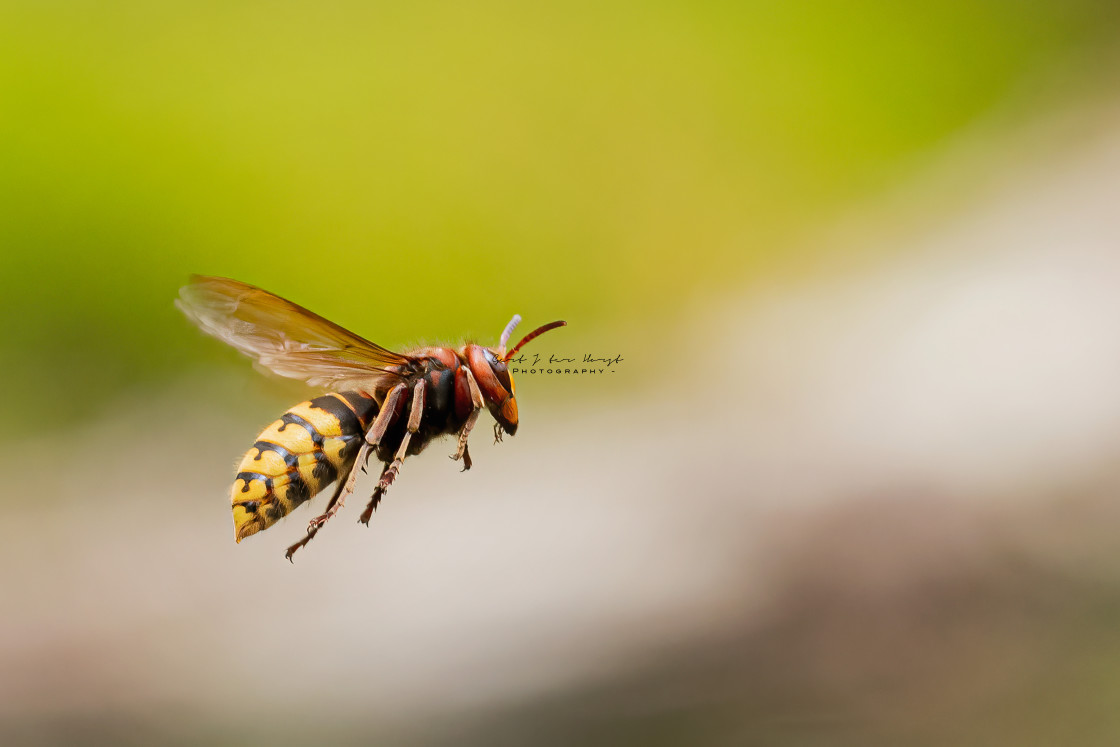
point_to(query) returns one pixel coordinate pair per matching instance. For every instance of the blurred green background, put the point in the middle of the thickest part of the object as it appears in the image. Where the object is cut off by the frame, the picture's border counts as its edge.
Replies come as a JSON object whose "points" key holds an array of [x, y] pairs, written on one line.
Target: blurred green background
{"points": [[854, 482], [425, 170]]}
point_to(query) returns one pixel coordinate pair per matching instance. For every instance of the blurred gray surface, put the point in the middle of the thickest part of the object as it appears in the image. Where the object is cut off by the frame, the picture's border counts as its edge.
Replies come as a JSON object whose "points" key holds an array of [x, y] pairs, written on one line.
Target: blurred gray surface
{"points": [[876, 510]]}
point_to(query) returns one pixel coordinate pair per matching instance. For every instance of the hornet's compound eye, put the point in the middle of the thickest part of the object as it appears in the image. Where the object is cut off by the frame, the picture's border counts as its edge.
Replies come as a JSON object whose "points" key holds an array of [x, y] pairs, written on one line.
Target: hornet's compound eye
{"points": [[500, 369]]}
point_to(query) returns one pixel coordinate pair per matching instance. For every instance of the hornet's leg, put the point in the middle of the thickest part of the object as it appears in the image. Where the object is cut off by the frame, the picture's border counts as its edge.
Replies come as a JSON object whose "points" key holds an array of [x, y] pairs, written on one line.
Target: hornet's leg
{"points": [[414, 416], [390, 472], [319, 521], [385, 416], [476, 407], [346, 487], [378, 493]]}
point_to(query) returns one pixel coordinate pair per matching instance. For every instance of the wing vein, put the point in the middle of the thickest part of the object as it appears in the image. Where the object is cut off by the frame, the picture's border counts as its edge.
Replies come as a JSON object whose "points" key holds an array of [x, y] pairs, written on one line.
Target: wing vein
{"points": [[284, 337]]}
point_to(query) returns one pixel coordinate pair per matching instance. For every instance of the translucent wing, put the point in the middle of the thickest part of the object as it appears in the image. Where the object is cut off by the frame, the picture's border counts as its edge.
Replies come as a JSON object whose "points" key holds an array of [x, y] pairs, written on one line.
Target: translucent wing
{"points": [[281, 336]]}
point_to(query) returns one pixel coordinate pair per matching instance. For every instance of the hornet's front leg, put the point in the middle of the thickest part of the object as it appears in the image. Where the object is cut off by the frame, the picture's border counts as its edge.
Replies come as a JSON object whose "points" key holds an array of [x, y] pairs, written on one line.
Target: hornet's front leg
{"points": [[390, 472], [476, 407]]}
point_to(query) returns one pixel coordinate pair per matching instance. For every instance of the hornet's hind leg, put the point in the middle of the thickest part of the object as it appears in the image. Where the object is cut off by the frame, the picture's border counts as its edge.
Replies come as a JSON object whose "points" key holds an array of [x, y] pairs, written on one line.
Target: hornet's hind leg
{"points": [[390, 472], [316, 523], [346, 487], [378, 494]]}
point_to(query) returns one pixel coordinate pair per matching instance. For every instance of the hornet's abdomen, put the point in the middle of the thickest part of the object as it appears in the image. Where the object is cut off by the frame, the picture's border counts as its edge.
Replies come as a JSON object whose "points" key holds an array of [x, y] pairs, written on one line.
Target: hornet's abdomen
{"points": [[307, 449]]}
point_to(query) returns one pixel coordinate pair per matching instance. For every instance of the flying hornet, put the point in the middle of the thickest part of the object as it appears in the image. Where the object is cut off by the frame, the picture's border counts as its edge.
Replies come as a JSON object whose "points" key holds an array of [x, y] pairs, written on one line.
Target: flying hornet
{"points": [[382, 404]]}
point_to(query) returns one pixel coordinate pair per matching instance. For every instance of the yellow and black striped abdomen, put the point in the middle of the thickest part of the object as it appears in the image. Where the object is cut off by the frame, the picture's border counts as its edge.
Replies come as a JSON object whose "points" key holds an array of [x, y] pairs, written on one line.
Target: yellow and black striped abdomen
{"points": [[307, 449]]}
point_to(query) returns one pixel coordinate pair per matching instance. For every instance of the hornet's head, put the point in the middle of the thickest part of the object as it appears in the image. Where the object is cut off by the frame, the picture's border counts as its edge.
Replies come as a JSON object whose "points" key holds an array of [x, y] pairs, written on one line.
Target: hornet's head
{"points": [[490, 370]]}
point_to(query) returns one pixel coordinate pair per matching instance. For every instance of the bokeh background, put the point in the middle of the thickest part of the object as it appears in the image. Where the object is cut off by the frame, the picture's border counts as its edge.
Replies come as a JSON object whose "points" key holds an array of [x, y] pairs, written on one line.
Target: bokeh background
{"points": [[853, 481]]}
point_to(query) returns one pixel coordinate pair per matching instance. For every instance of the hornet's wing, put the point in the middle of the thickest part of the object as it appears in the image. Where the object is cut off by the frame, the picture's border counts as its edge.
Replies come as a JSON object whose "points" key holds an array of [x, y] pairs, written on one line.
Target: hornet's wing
{"points": [[283, 337]]}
